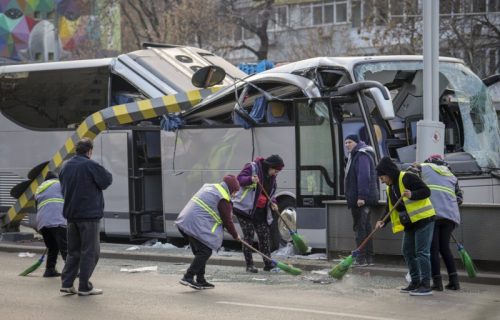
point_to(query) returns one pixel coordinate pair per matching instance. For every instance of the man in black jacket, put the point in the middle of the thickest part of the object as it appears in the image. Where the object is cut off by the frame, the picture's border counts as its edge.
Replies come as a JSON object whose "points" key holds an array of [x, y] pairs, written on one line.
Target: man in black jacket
{"points": [[82, 182], [361, 192]]}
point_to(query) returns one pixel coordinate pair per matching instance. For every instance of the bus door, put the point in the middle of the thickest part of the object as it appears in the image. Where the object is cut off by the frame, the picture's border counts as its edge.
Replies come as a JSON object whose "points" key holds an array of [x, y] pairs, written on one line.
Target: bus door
{"points": [[317, 166], [146, 204]]}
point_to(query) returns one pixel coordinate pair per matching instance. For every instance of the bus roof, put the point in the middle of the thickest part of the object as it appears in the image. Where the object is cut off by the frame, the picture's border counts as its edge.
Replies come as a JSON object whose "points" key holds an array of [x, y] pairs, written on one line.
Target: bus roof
{"points": [[57, 65], [349, 62]]}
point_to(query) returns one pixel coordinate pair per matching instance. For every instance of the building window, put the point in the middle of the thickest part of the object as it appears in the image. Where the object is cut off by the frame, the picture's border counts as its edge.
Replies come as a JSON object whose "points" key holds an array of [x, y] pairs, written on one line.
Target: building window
{"points": [[341, 12], [356, 13], [493, 5], [328, 12]]}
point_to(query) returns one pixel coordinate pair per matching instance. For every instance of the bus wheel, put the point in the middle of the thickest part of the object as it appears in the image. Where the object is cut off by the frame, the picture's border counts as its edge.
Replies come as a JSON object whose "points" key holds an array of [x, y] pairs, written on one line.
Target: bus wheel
{"points": [[279, 233]]}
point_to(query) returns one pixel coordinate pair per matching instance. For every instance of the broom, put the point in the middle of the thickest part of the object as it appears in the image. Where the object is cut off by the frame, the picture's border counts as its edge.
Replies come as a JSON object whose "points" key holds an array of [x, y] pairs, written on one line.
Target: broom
{"points": [[283, 266], [340, 269], [298, 242], [35, 266], [466, 259]]}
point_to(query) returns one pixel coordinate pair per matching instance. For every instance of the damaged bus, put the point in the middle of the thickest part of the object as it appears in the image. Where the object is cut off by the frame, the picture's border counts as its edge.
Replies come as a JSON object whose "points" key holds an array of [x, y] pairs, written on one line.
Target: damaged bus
{"points": [[302, 111]]}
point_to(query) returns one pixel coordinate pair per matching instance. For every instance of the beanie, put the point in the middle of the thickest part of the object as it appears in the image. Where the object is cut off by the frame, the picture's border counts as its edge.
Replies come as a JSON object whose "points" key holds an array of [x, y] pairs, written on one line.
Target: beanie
{"points": [[387, 168], [274, 162], [232, 183], [50, 175], [352, 137]]}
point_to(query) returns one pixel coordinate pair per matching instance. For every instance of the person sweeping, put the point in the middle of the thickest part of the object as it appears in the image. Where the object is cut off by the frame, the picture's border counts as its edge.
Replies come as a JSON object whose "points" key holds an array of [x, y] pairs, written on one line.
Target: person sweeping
{"points": [[201, 222], [51, 223], [415, 216]]}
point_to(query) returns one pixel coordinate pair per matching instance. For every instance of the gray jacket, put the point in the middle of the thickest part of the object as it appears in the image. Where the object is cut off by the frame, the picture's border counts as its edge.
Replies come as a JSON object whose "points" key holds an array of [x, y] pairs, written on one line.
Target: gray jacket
{"points": [[442, 183], [200, 217], [49, 204]]}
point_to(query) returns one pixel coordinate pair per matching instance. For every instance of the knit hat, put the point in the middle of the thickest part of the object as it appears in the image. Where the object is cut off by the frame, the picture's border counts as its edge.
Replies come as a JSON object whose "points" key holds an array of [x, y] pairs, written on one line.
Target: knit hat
{"points": [[387, 168], [352, 137], [232, 183], [274, 162], [50, 175]]}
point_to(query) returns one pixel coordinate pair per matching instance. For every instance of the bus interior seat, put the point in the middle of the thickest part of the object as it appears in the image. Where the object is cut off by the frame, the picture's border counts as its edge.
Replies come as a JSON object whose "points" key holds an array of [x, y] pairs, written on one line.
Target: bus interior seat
{"points": [[277, 112], [411, 128]]}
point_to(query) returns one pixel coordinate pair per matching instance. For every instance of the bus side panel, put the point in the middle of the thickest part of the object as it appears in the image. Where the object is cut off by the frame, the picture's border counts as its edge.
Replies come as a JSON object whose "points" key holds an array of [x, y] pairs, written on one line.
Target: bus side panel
{"points": [[206, 155], [113, 147]]}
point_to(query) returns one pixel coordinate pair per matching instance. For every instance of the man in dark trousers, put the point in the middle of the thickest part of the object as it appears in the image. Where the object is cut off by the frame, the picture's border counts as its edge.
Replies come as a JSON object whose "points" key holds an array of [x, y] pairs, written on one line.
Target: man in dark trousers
{"points": [[415, 216], [361, 192], [82, 182]]}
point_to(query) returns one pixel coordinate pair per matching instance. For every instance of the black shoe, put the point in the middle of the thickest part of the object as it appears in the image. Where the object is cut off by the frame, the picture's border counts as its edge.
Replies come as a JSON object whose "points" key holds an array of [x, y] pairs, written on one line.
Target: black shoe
{"points": [[252, 269], [412, 286], [437, 283], [422, 291], [50, 273], [204, 284], [454, 284], [190, 283]]}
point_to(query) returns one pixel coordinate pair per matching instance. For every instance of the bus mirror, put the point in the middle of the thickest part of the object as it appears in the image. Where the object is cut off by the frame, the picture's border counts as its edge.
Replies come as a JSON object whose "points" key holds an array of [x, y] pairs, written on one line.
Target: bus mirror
{"points": [[384, 105], [208, 76]]}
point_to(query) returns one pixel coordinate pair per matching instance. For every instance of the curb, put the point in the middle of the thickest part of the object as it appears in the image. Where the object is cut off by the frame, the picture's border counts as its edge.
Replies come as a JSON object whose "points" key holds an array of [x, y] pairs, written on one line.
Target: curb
{"points": [[488, 278]]}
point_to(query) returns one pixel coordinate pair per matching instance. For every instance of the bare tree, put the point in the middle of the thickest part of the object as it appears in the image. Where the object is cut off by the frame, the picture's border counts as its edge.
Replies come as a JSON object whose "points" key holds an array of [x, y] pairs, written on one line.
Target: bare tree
{"points": [[253, 17], [143, 21]]}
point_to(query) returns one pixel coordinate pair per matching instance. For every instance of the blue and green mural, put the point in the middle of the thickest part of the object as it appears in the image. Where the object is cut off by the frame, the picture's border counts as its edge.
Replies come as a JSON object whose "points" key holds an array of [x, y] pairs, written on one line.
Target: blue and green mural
{"points": [[44, 30]]}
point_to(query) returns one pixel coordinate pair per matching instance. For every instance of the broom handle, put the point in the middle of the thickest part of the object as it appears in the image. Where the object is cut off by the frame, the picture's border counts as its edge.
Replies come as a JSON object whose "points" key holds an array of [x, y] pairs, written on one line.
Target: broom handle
{"points": [[252, 248], [277, 213], [361, 246]]}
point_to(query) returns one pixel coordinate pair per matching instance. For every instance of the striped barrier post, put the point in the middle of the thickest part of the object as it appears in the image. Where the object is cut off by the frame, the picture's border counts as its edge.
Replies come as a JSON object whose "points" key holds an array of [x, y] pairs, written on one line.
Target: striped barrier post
{"points": [[98, 122]]}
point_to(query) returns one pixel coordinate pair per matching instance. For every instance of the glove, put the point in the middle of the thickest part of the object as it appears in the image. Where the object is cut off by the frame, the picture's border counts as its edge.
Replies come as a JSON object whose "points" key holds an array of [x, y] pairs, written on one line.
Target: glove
{"points": [[355, 253]]}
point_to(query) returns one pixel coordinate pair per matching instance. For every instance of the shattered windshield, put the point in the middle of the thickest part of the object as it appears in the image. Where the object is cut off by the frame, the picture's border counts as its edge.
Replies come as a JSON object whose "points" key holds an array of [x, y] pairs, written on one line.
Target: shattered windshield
{"points": [[481, 134]]}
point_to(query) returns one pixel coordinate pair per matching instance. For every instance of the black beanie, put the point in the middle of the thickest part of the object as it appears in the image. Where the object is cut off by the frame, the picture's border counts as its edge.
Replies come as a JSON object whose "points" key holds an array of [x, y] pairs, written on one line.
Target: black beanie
{"points": [[352, 137], [274, 162], [387, 168]]}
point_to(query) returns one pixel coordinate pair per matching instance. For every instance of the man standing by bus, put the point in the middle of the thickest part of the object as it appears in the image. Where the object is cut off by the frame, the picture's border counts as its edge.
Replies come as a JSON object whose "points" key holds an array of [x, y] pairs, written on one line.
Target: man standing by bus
{"points": [[361, 192], [82, 182]]}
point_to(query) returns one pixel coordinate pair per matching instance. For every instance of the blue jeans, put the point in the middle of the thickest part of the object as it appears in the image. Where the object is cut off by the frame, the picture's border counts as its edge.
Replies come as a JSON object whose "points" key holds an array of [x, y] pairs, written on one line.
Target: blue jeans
{"points": [[416, 251]]}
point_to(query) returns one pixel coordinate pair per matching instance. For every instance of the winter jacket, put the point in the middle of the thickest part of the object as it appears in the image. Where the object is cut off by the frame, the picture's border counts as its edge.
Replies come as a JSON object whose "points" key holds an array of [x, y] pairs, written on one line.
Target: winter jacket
{"points": [[361, 180], [201, 219], [82, 182], [245, 180], [49, 205]]}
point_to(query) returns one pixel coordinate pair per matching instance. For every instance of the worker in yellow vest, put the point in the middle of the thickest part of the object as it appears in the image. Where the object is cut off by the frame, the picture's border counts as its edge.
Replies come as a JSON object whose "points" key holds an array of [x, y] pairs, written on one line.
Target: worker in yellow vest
{"points": [[415, 216]]}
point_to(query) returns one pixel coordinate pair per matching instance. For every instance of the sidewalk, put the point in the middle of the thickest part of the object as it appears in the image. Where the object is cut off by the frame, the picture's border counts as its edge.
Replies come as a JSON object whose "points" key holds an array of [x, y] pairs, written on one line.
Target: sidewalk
{"points": [[170, 253]]}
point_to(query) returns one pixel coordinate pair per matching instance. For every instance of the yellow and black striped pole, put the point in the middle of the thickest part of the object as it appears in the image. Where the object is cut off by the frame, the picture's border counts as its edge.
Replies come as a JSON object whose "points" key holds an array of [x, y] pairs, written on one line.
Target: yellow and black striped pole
{"points": [[98, 122]]}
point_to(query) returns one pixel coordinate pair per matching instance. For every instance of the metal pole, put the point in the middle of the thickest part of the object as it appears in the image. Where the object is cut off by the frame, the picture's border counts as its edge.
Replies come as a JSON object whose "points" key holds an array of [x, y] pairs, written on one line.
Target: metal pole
{"points": [[430, 132]]}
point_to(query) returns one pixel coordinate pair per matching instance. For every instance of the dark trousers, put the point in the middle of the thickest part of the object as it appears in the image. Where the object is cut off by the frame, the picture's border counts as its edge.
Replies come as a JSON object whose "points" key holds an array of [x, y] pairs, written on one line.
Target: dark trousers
{"points": [[441, 244], [249, 228], [362, 227], [55, 241], [83, 254], [201, 255]]}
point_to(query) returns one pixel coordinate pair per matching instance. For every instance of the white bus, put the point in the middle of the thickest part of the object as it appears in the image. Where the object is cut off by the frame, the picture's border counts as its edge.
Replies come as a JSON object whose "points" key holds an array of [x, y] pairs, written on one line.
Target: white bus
{"points": [[310, 106]]}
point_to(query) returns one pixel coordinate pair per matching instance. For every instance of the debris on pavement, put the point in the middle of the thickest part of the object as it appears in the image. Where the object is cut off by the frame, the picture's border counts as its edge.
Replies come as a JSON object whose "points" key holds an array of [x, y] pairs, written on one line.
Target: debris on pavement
{"points": [[141, 269], [26, 255]]}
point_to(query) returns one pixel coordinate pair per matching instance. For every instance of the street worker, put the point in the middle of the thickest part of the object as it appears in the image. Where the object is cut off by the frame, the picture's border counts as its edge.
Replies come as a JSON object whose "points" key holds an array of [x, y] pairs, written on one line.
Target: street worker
{"points": [[201, 222], [252, 207], [415, 216], [50, 222], [82, 182], [446, 196], [361, 192]]}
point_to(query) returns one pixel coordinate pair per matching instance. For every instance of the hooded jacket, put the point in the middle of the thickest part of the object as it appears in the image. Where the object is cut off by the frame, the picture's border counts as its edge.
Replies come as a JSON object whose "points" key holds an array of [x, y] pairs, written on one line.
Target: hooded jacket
{"points": [[361, 177], [412, 182]]}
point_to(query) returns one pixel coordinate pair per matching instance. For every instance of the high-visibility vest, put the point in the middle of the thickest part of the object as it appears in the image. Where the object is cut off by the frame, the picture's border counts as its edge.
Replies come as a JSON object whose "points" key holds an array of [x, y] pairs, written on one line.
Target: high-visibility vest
{"points": [[416, 209], [49, 204], [200, 217], [442, 183]]}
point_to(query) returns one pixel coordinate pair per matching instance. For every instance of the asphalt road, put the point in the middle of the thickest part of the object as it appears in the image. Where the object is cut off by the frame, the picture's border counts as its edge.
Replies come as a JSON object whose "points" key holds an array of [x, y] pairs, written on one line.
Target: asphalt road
{"points": [[238, 295]]}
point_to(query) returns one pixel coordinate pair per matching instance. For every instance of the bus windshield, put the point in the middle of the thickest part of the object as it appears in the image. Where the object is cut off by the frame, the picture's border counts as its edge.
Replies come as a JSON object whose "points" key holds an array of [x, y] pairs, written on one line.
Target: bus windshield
{"points": [[477, 130]]}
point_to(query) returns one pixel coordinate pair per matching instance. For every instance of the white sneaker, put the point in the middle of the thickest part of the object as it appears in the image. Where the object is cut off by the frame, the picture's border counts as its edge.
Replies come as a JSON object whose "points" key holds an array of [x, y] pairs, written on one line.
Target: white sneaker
{"points": [[71, 290], [92, 292]]}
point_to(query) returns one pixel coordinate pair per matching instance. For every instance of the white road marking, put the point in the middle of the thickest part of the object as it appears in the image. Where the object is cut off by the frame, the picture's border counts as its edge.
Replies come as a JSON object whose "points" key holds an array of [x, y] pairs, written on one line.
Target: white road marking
{"points": [[340, 314]]}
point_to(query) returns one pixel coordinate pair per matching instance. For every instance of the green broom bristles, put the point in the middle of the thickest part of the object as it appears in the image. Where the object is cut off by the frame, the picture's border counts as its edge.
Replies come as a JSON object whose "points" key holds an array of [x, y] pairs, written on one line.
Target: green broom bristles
{"points": [[299, 243], [288, 268], [340, 269], [33, 267], [467, 261]]}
